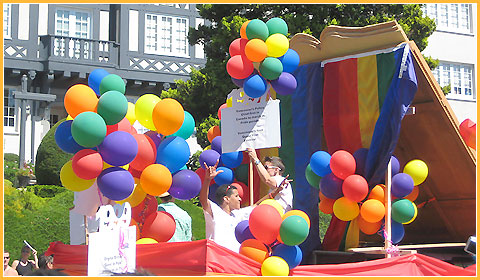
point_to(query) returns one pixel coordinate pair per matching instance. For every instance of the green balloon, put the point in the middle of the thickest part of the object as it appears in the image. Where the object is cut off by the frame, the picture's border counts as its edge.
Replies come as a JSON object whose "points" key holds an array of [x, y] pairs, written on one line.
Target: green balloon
{"points": [[89, 129], [187, 128], [403, 211], [112, 82], [241, 173], [112, 107], [271, 68], [277, 25], [312, 178], [257, 29], [294, 230]]}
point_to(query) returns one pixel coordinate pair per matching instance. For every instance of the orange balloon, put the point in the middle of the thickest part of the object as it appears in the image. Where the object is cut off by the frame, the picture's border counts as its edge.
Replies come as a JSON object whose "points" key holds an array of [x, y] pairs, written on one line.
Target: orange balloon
{"points": [[321, 196], [135, 223], [168, 116], [414, 194], [297, 213], [326, 205], [213, 132], [378, 193], [256, 50], [80, 98], [372, 210], [156, 179], [243, 30], [254, 249], [368, 228]]}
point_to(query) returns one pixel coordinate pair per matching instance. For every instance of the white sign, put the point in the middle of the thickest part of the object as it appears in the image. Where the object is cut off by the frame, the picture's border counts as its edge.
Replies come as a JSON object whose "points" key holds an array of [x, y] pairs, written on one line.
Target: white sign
{"points": [[250, 123]]}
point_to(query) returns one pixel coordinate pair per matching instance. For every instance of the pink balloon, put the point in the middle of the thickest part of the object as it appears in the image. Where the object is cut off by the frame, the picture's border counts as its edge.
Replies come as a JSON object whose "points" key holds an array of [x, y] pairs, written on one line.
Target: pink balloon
{"points": [[355, 188], [87, 164], [237, 47], [342, 164], [239, 67]]}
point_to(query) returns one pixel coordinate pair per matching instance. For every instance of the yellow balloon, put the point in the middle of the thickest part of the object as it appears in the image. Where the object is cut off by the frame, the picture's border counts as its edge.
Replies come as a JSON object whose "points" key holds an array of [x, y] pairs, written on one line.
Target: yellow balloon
{"points": [[209, 147], [275, 266], [345, 209], [146, 240], [137, 196], [144, 109], [277, 45], [275, 204], [414, 215], [417, 169], [71, 181], [106, 165], [69, 118], [131, 113]]}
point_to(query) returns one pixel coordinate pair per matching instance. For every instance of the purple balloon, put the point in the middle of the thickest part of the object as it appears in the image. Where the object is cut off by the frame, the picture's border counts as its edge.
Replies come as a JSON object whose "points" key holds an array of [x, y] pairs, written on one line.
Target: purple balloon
{"points": [[360, 157], [331, 186], [118, 148], [242, 231], [209, 157], [157, 138], [211, 192], [217, 144], [395, 165], [402, 185], [285, 84], [116, 183], [238, 82], [186, 184]]}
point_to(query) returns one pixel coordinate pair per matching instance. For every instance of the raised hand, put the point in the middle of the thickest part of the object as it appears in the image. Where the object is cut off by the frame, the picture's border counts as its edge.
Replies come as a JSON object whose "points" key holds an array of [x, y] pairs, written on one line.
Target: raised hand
{"points": [[211, 171]]}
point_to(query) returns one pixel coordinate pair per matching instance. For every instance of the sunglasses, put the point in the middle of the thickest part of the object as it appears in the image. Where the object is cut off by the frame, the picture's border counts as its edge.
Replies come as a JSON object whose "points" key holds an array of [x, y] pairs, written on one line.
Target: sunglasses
{"points": [[270, 167], [6, 258]]}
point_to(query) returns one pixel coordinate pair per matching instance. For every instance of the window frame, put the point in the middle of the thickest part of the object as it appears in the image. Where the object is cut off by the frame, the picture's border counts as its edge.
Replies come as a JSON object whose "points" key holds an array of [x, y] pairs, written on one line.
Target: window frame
{"points": [[158, 45], [454, 11], [7, 21], [72, 23], [465, 82], [8, 94]]}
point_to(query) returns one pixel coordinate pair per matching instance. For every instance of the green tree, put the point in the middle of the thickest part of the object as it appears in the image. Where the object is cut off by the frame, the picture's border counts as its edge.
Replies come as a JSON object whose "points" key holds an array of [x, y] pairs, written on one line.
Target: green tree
{"points": [[202, 130]]}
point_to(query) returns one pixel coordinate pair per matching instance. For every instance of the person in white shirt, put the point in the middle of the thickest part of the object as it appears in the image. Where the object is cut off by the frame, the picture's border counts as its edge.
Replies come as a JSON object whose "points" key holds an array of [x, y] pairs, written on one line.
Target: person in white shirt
{"points": [[271, 174]]}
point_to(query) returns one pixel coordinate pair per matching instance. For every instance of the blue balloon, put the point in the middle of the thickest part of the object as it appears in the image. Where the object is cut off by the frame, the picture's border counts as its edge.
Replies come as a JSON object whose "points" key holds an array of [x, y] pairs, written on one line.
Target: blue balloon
{"points": [[95, 78], [118, 148], [402, 185], [224, 178], [116, 183], [64, 138], [290, 61], [398, 231], [231, 160], [242, 231], [187, 128], [173, 152], [360, 156], [212, 189], [255, 86], [186, 184], [209, 157], [217, 144], [331, 186], [320, 163], [291, 254]]}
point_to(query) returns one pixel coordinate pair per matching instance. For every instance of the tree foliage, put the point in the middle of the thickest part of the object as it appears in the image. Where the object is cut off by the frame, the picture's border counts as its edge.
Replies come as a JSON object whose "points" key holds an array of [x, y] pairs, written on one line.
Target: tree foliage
{"points": [[202, 130]]}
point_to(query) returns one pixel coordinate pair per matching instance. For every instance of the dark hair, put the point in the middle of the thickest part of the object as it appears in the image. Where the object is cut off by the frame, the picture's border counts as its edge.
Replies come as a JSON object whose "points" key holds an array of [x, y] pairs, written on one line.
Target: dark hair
{"points": [[166, 198], [44, 260], [26, 249], [223, 190], [276, 161], [46, 272]]}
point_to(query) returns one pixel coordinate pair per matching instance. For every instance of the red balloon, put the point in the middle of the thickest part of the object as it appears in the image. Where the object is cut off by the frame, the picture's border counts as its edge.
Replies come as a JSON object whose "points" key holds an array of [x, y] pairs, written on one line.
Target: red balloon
{"points": [[87, 164], [342, 164], [133, 130], [147, 152], [123, 125], [355, 187], [264, 223], [148, 206], [237, 47], [219, 113], [135, 173], [240, 187], [239, 67], [159, 226]]}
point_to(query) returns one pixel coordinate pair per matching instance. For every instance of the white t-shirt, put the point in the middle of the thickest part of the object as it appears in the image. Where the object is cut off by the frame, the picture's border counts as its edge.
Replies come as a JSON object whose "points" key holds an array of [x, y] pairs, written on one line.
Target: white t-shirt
{"points": [[221, 227], [285, 197]]}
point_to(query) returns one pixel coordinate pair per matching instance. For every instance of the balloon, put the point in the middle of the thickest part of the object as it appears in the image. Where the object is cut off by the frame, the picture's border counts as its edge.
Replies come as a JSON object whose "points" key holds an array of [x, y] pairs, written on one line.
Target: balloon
{"points": [[95, 78], [355, 187], [213, 132], [254, 249], [368, 228], [217, 144], [256, 29], [123, 125], [312, 178], [157, 138], [112, 106], [186, 184], [212, 190], [468, 131], [209, 157], [232, 160], [403, 210], [378, 193], [144, 110], [137, 196], [256, 50], [274, 266], [242, 232], [271, 68], [331, 186], [291, 254], [71, 181], [243, 30], [135, 173], [326, 205], [414, 194], [294, 230], [395, 165], [78, 99], [414, 215], [397, 232], [238, 82], [320, 163], [241, 173], [239, 67], [64, 138], [264, 222], [147, 152], [372, 210], [112, 82], [237, 47], [417, 169], [219, 112], [69, 118], [360, 156], [168, 116], [118, 148], [342, 164], [156, 179], [89, 129], [173, 153], [187, 128], [255, 86], [345, 209], [277, 45], [116, 183], [148, 206], [402, 185], [146, 240], [224, 178], [275, 204], [87, 164], [240, 187], [277, 25], [285, 84], [290, 61], [131, 113], [159, 226]]}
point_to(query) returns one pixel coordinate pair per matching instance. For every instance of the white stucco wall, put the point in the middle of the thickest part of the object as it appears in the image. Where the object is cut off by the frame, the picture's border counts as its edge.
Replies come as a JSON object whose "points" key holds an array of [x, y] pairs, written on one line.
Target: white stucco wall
{"points": [[24, 14], [43, 19]]}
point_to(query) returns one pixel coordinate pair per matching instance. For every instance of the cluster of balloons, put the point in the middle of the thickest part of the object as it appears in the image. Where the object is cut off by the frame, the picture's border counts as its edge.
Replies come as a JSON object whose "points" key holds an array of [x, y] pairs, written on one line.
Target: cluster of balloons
{"points": [[261, 56], [124, 165], [344, 192], [271, 237]]}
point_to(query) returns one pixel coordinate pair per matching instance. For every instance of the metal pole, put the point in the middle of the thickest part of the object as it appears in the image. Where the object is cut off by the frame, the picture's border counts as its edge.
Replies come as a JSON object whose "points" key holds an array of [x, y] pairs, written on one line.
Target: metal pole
{"points": [[388, 205], [22, 123], [32, 137]]}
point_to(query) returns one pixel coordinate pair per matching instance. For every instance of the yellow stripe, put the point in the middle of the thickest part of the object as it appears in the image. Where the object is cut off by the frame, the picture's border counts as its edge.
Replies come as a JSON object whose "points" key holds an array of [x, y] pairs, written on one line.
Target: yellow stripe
{"points": [[368, 110], [270, 152]]}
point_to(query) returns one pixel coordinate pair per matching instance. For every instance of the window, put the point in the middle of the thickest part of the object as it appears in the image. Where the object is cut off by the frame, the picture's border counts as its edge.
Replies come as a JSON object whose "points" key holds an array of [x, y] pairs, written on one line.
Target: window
{"points": [[459, 77], [7, 17], [450, 17], [8, 109], [53, 120], [166, 35], [76, 24]]}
